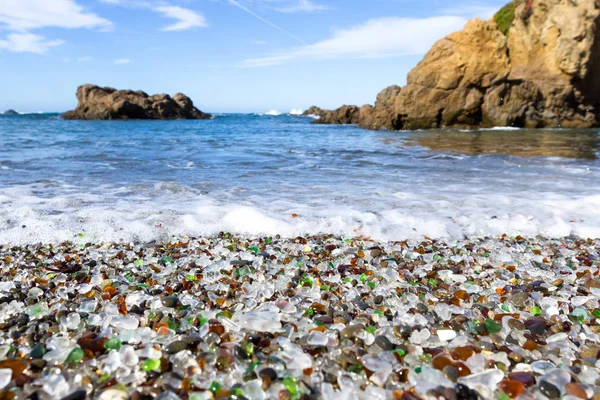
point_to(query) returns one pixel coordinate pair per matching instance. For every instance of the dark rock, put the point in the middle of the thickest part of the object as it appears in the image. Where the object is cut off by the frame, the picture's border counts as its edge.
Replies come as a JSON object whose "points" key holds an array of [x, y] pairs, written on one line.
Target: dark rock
{"points": [[268, 372], [176, 347], [10, 112], [96, 103], [315, 111], [240, 263], [37, 352], [343, 115], [362, 305], [549, 390], [76, 395], [170, 301], [384, 343], [464, 393]]}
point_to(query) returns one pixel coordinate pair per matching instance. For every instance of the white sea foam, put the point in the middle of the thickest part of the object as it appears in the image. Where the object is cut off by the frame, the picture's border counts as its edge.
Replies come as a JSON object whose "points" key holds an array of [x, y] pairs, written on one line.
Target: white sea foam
{"points": [[273, 113], [501, 128], [296, 111], [147, 214]]}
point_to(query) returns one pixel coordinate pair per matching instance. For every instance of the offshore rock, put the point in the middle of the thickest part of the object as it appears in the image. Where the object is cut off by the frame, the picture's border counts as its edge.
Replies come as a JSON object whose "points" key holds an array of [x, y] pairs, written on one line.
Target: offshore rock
{"points": [[342, 115], [315, 111], [10, 112], [97, 103], [540, 75]]}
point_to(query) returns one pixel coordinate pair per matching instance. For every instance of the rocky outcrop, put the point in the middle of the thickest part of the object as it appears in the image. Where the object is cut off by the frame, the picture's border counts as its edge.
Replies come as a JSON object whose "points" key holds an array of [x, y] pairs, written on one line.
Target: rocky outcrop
{"points": [[97, 103], [540, 75], [342, 115], [10, 112], [315, 111], [383, 115]]}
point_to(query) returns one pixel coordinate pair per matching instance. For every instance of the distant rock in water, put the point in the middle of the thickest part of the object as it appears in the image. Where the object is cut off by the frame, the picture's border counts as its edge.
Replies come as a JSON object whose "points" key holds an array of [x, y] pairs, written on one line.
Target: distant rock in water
{"points": [[10, 112], [343, 115], [536, 70], [97, 103], [315, 111]]}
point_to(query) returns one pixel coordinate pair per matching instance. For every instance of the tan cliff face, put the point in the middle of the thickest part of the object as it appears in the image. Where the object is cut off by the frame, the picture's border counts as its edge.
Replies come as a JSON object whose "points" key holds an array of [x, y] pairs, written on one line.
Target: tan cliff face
{"points": [[556, 41], [542, 75], [448, 86]]}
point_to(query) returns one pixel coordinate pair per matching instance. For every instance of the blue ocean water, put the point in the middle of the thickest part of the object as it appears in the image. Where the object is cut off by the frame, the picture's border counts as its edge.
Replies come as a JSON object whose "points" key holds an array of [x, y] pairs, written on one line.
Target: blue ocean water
{"points": [[263, 175]]}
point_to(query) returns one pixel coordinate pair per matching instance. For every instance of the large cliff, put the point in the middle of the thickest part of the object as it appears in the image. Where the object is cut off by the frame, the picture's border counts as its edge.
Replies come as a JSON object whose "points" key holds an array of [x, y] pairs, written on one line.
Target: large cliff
{"points": [[541, 72], [97, 103]]}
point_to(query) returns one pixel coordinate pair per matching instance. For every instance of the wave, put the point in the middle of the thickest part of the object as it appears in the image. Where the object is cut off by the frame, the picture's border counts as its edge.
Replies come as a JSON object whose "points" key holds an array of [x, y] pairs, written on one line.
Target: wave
{"points": [[147, 213], [296, 111], [502, 128], [273, 113]]}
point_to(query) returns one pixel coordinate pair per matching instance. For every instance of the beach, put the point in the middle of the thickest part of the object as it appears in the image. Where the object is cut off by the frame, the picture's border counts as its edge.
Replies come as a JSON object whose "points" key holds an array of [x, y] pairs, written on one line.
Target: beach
{"points": [[175, 234], [306, 317], [357, 264]]}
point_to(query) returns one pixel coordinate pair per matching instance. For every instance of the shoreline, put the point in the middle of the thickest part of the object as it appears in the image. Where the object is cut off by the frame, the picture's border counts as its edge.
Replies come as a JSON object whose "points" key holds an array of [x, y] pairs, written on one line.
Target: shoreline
{"points": [[314, 317]]}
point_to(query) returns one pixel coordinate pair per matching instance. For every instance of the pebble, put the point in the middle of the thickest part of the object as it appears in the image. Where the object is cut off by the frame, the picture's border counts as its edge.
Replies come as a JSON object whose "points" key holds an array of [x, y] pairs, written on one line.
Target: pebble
{"points": [[384, 343], [549, 390], [519, 299], [5, 377], [170, 301], [317, 339], [573, 389], [312, 317], [446, 334], [113, 394], [176, 347]]}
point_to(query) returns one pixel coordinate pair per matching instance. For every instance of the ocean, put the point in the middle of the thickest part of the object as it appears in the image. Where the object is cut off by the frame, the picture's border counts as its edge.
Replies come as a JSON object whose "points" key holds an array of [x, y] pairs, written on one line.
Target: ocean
{"points": [[262, 175]]}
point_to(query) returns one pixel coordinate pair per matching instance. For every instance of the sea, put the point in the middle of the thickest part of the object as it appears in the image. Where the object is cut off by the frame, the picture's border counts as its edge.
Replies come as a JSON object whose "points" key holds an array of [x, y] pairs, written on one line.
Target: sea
{"points": [[269, 174]]}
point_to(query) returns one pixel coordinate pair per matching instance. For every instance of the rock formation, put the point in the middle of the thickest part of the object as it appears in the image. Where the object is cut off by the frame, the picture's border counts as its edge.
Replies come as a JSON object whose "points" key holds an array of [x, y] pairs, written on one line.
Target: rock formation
{"points": [[541, 74], [10, 112], [342, 115], [96, 103], [315, 111]]}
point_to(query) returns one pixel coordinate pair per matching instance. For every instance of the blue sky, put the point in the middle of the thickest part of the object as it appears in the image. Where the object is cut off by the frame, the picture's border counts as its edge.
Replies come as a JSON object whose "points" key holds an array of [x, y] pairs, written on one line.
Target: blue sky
{"points": [[227, 55]]}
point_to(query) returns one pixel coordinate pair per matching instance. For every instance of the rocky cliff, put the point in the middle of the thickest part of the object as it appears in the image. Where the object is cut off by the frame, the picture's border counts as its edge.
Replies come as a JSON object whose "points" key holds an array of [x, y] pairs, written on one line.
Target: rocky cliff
{"points": [[97, 103], [541, 72]]}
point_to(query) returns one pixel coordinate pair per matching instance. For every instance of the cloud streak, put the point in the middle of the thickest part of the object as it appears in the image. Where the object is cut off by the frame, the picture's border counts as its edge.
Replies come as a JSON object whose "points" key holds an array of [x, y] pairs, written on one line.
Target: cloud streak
{"points": [[376, 38], [186, 19], [121, 61], [255, 15]]}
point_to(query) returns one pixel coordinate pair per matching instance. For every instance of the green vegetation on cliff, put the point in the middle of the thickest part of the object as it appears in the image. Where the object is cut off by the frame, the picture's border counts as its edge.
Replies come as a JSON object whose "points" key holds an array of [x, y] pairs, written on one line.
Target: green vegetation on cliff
{"points": [[506, 15]]}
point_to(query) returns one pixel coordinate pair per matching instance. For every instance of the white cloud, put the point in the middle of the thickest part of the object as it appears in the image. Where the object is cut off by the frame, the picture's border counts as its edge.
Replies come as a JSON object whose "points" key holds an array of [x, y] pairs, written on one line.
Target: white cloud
{"points": [[24, 15], [187, 19], [21, 16], [120, 61], [302, 6], [28, 43], [84, 59], [376, 38]]}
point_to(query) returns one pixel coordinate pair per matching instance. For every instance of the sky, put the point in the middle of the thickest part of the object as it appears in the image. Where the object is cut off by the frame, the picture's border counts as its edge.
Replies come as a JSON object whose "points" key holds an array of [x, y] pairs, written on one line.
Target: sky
{"points": [[227, 55]]}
